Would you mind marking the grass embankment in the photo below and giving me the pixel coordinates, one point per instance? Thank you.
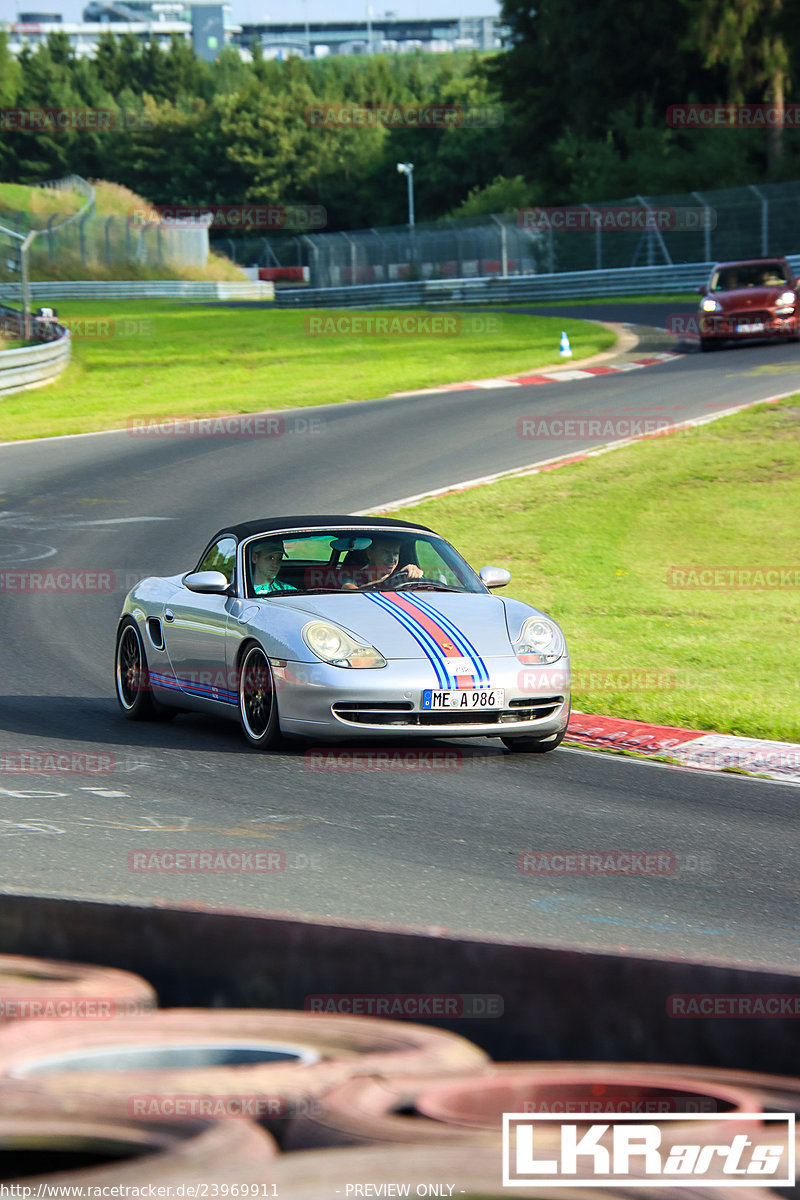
(111, 200)
(607, 546)
(149, 359)
(39, 203)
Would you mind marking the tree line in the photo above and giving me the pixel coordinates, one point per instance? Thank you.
(583, 87)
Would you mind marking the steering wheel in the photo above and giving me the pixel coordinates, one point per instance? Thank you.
(384, 583)
(416, 579)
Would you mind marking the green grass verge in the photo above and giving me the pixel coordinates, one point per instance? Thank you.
(40, 203)
(172, 359)
(595, 544)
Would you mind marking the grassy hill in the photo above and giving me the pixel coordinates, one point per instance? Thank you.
(38, 203)
(112, 200)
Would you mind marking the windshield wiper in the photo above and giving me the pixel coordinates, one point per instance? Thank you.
(426, 585)
(320, 591)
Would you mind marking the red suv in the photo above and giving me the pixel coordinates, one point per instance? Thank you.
(754, 298)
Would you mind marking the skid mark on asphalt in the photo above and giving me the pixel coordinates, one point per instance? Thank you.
(107, 793)
(32, 794)
(174, 823)
(19, 520)
(28, 825)
(19, 552)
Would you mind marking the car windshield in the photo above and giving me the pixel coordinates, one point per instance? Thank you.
(350, 560)
(728, 279)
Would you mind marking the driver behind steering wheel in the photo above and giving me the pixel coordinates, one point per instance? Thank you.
(383, 557)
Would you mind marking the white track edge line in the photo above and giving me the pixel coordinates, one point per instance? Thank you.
(535, 467)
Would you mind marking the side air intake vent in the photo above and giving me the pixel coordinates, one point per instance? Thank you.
(156, 633)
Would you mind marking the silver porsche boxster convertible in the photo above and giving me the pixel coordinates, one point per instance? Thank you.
(340, 627)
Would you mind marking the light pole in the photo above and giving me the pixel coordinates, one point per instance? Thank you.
(407, 169)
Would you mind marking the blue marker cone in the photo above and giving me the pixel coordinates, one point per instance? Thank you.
(565, 350)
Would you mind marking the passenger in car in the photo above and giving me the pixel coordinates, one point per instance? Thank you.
(265, 562)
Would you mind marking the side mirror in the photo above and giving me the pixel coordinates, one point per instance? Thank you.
(208, 583)
(494, 577)
(702, 289)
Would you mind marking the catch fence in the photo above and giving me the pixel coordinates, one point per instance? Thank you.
(88, 238)
(635, 232)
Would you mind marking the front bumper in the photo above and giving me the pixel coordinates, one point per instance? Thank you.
(316, 700)
(727, 326)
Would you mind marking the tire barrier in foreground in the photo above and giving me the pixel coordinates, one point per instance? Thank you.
(467, 1109)
(41, 988)
(327, 1174)
(221, 1062)
(131, 1102)
(780, 1093)
(50, 1140)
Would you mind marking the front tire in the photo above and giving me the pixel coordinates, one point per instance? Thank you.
(130, 674)
(707, 344)
(258, 702)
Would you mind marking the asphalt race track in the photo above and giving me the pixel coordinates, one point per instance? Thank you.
(436, 848)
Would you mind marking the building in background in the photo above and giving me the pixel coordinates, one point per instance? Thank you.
(209, 26)
(384, 35)
(85, 35)
(111, 12)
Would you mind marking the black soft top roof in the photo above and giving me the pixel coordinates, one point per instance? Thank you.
(246, 529)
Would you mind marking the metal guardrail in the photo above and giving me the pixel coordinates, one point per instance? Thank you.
(31, 366)
(145, 289)
(624, 281)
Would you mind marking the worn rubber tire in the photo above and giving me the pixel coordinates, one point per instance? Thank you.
(28, 981)
(49, 1140)
(148, 1050)
(463, 1109)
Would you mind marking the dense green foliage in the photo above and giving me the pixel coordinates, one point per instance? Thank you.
(584, 88)
(189, 132)
(588, 86)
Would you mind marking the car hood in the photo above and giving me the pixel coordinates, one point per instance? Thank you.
(396, 623)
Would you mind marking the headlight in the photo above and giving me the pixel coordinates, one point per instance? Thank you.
(333, 645)
(787, 298)
(539, 641)
(710, 305)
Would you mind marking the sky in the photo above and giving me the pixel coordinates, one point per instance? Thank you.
(253, 11)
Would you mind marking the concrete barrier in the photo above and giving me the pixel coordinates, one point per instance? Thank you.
(558, 1004)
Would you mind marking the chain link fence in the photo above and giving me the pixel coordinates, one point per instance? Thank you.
(638, 231)
(91, 238)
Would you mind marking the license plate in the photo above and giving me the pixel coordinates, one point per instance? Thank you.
(750, 327)
(470, 699)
